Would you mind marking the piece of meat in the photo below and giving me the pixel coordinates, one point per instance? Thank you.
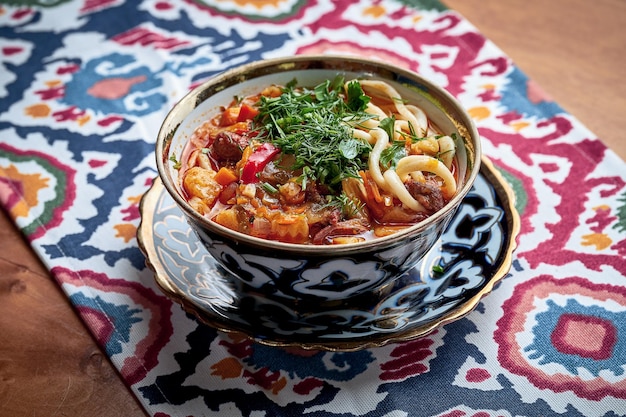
(228, 146)
(274, 174)
(427, 195)
(345, 228)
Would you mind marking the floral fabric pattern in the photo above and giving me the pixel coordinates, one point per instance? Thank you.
(84, 86)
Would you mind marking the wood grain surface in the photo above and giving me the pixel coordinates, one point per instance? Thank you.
(575, 50)
(50, 364)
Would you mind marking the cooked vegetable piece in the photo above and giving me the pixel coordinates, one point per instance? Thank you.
(260, 157)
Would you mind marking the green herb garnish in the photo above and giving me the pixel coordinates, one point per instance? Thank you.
(313, 125)
(348, 206)
(269, 188)
(438, 269)
(390, 156)
(412, 135)
(357, 100)
(396, 150)
(387, 125)
(176, 162)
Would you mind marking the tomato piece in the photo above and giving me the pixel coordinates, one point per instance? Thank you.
(246, 112)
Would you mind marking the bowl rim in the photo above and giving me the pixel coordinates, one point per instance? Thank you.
(341, 63)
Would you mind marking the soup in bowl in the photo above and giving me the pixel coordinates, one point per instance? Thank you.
(317, 178)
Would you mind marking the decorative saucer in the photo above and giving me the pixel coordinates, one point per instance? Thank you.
(472, 256)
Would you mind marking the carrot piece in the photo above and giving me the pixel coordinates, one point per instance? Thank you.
(225, 176)
(371, 188)
(229, 116)
(375, 191)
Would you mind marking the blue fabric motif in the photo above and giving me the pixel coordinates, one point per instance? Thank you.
(515, 98)
(75, 245)
(337, 366)
(574, 362)
(121, 317)
(435, 392)
(144, 93)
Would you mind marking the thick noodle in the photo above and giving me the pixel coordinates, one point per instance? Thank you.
(412, 163)
(408, 118)
(411, 114)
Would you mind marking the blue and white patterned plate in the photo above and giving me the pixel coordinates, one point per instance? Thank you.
(475, 253)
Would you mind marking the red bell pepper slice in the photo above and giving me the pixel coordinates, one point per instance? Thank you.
(257, 161)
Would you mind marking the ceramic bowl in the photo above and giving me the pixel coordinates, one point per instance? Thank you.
(311, 274)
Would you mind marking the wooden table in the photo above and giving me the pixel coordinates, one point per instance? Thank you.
(49, 363)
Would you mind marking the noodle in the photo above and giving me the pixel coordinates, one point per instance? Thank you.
(413, 163)
(382, 140)
(413, 115)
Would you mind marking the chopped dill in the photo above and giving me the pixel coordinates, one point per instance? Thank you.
(350, 207)
(313, 125)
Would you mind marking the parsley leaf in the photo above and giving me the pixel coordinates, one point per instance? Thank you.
(350, 148)
(357, 100)
(388, 125)
(390, 156)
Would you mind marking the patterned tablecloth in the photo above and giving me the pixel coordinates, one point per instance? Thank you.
(84, 87)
